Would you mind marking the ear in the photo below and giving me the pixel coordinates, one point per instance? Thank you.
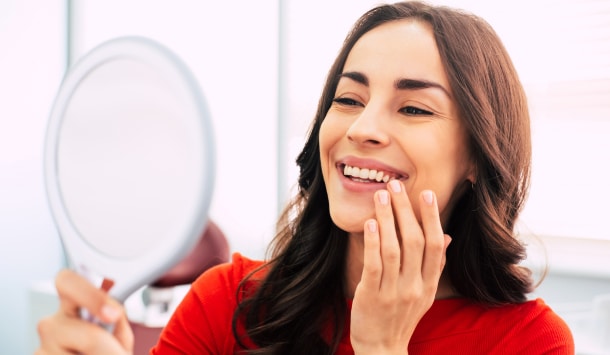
(471, 173)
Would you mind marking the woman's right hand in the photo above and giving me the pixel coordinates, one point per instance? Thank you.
(65, 331)
(403, 263)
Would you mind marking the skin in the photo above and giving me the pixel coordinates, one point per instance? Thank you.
(397, 246)
(65, 333)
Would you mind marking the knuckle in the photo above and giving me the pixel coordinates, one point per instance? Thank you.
(63, 274)
(409, 295)
(417, 241)
(435, 246)
(392, 255)
(430, 288)
(387, 300)
(60, 278)
(44, 327)
(373, 271)
(63, 280)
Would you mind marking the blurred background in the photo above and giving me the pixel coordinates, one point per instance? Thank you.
(261, 66)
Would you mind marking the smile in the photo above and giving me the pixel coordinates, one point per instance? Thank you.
(368, 175)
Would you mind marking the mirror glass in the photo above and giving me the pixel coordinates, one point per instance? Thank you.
(129, 162)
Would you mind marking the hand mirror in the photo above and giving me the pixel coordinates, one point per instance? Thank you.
(129, 163)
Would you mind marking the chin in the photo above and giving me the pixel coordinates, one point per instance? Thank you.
(351, 221)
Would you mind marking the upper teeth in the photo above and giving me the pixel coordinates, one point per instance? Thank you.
(364, 173)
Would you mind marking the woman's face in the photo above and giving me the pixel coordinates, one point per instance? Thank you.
(393, 117)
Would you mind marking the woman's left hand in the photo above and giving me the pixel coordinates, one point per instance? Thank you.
(403, 262)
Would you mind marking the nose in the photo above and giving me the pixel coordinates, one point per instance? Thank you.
(369, 129)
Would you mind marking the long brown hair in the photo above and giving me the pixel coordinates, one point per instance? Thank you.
(302, 293)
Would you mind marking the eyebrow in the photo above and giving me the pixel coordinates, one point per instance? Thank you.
(400, 84)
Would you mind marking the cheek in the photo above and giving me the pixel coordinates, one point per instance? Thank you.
(323, 141)
(446, 184)
(443, 165)
(329, 136)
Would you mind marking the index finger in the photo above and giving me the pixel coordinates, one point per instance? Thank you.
(411, 234)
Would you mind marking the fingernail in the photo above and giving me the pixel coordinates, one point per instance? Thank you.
(395, 185)
(384, 198)
(428, 197)
(110, 313)
(372, 225)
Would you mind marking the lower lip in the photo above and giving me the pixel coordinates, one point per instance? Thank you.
(359, 185)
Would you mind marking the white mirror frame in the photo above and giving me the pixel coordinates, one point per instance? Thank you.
(131, 273)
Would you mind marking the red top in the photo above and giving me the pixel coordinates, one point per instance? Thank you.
(202, 323)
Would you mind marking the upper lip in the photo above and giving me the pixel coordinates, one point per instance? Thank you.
(371, 164)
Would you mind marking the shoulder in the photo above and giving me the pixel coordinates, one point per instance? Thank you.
(538, 328)
(533, 327)
(202, 323)
(530, 328)
(226, 276)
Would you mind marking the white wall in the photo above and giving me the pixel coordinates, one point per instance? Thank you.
(231, 47)
(31, 65)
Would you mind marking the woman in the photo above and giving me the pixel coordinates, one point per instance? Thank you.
(421, 139)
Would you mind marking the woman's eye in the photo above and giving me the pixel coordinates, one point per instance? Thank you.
(347, 101)
(412, 110)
